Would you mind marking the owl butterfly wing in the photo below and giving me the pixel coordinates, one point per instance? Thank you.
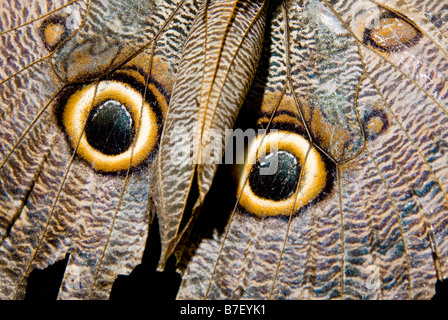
(216, 70)
(351, 98)
(105, 68)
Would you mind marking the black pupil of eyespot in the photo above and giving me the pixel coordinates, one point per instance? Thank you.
(275, 177)
(110, 128)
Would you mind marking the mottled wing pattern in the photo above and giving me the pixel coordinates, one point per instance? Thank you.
(363, 85)
(53, 203)
(215, 73)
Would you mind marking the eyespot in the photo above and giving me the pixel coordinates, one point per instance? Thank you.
(375, 122)
(284, 174)
(391, 32)
(111, 125)
(53, 31)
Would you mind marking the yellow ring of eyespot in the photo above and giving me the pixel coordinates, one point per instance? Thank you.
(77, 111)
(313, 178)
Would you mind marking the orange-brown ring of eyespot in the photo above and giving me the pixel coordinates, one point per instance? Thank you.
(76, 113)
(313, 179)
(161, 100)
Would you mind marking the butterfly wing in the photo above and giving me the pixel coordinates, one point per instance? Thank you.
(62, 63)
(356, 93)
(370, 225)
(215, 72)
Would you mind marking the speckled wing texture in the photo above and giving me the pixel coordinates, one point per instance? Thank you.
(52, 202)
(215, 73)
(363, 84)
